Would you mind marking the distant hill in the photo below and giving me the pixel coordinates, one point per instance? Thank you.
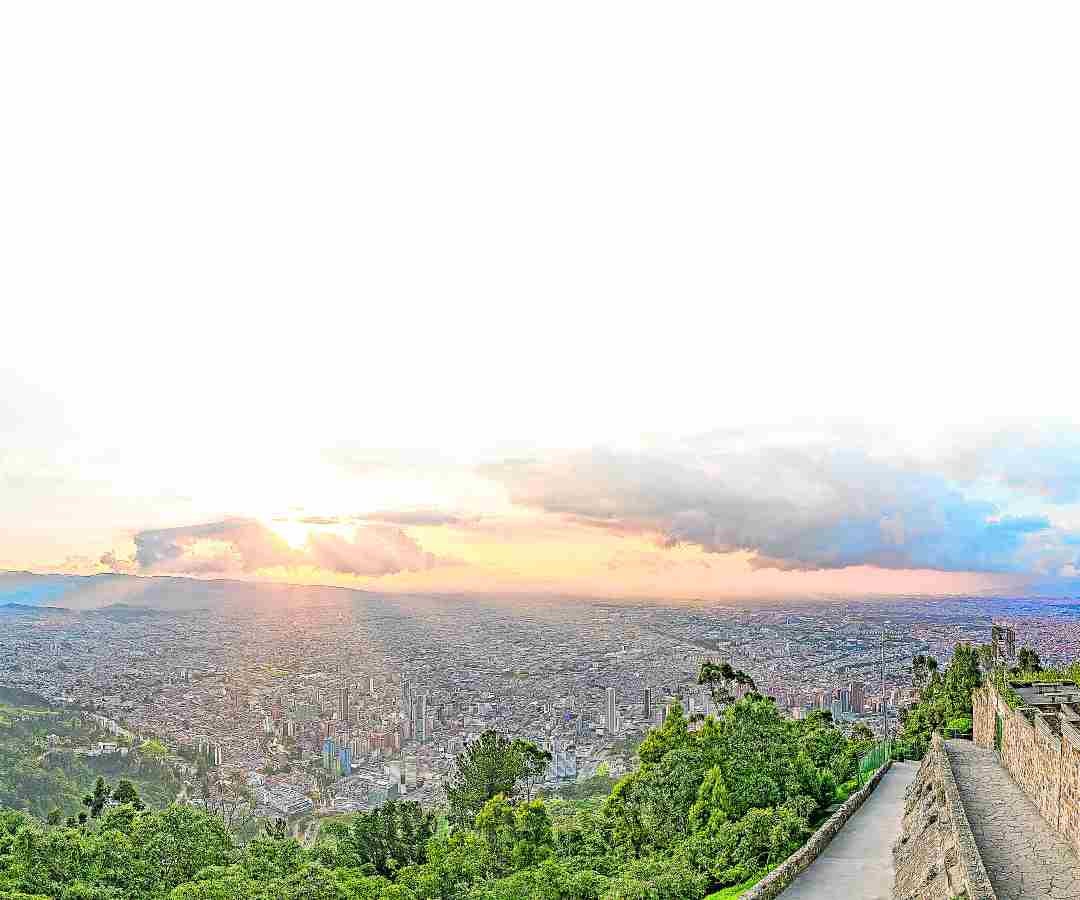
(128, 594)
(25, 608)
(25, 589)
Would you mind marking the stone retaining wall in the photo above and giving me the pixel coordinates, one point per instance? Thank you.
(779, 878)
(935, 856)
(1044, 761)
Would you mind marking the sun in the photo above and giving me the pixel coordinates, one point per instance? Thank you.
(293, 532)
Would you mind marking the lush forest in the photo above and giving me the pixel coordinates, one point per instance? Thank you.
(40, 777)
(712, 805)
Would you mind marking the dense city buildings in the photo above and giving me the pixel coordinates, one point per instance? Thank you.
(332, 700)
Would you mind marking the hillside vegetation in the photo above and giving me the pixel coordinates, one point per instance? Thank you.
(40, 777)
(706, 809)
(944, 703)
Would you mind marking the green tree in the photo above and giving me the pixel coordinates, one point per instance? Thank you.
(722, 681)
(276, 830)
(1027, 660)
(96, 801)
(382, 841)
(962, 676)
(673, 733)
(923, 667)
(534, 764)
(176, 843)
(489, 765)
(126, 793)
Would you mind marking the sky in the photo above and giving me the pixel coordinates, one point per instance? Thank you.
(603, 299)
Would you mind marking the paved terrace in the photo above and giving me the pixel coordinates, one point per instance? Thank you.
(1024, 858)
(858, 863)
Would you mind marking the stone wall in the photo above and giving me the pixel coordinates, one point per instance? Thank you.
(1042, 754)
(779, 878)
(935, 856)
(983, 707)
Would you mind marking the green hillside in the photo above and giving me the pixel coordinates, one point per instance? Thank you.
(39, 773)
(711, 806)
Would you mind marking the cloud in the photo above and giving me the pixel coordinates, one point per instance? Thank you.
(1041, 460)
(374, 550)
(793, 507)
(237, 546)
(227, 545)
(417, 517)
(117, 564)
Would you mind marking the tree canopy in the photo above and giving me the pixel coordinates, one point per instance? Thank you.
(707, 807)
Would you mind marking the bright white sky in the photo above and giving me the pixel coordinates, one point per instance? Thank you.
(237, 234)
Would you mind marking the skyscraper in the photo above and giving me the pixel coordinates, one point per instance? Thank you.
(647, 703)
(345, 761)
(858, 697)
(610, 717)
(343, 702)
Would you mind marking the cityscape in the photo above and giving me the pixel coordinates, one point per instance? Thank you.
(330, 701)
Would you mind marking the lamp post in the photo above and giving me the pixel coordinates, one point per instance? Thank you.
(884, 698)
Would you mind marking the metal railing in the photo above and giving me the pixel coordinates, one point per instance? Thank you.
(870, 762)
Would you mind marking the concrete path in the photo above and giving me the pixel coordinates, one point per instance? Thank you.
(1024, 858)
(858, 863)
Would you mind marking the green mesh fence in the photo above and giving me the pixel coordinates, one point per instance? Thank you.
(874, 760)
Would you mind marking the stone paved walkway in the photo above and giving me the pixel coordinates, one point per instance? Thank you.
(1024, 857)
(858, 863)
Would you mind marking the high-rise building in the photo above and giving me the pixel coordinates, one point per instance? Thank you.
(343, 703)
(329, 752)
(423, 719)
(646, 699)
(345, 761)
(610, 712)
(858, 697)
